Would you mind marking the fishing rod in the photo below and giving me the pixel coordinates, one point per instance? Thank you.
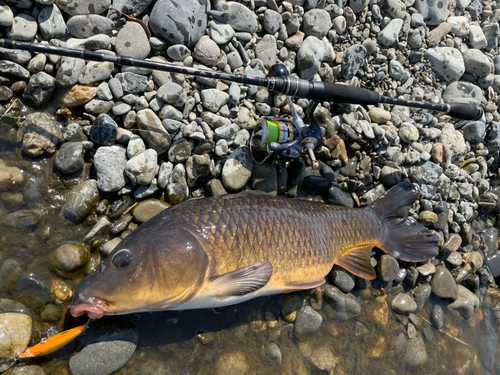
(317, 90)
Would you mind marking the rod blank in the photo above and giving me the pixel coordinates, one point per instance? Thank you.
(323, 91)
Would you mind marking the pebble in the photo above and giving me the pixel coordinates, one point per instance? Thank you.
(221, 32)
(85, 26)
(352, 60)
(152, 131)
(447, 62)
(236, 15)
(51, 23)
(177, 188)
(443, 284)
(109, 162)
(232, 362)
(317, 23)
(345, 306)
(104, 130)
(466, 304)
(388, 268)
(309, 57)
(308, 321)
(237, 169)
(145, 210)
(23, 28)
(39, 134)
(403, 304)
(389, 35)
(69, 159)
(415, 353)
(206, 51)
(16, 334)
(69, 257)
(342, 279)
(132, 41)
(142, 168)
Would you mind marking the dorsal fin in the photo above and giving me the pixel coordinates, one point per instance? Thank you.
(357, 262)
(243, 280)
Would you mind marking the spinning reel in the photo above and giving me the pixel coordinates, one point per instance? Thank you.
(281, 139)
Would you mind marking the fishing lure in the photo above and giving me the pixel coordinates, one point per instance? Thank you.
(53, 343)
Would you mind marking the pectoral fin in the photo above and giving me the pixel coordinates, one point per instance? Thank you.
(243, 280)
(357, 262)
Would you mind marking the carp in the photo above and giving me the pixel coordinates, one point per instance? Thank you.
(223, 250)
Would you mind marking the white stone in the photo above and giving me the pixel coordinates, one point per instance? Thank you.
(390, 33)
(446, 62)
(477, 37)
(459, 25)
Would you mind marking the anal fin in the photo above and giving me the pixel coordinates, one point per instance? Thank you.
(357, 262)
(243, 280)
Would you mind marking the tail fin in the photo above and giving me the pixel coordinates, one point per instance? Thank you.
(403, 237)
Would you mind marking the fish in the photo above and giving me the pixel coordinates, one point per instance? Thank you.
(53, 343)
(219, 251)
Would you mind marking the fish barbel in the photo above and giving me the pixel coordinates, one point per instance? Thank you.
(224, 250)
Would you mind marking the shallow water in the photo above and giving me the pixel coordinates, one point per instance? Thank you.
(204, 341)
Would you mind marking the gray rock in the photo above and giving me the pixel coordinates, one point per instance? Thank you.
(388, 268)
(415, 353)
(89, 25)
(434, 11)
(164, 174)
(197, 170)
(16, 56)
(96, 106)
(69, 257)
(132, 41)
(135, 146)
(177, 188)
(179, 23)
(396, 9)
(308, 321)
(358, 6)
(13, 70)
(121, 108)
(142, 168)
(23, 28)
(6, 15)
(264, 178)
(266, 50)
(92, 43)
(206, 51)
(352, 60)
(179, 151)
(476, 62)
(443, 284)
(466, 304)
(345, 306)
(426, 173)
(82, 7)
(80, 201)
(317, 22)
(95, 72)
(221, 32)
(453, 140)
(474, 131)
(309, 57)
(273, 21)
(40, 89)
(173, 94)
(237, 169)
(132, 83)
(342, 279)
(74, 133)
(339, 197)
(16, 331)
(237, 15)
(111, 347)
(214, 99)
(408, 133)
(463, 92)
(109, 162)
(39, 134)
(403, 304)
(178, 52)
(446, 62)
(460, 25)
(69, 71)
(104, 92)
(477, 38)
(51, 23)
(389, 34)
(69, 159)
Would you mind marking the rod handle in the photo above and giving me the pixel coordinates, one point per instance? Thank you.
(465, 111)
(334, 92)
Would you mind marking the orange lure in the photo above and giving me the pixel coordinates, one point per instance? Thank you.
(53, 343)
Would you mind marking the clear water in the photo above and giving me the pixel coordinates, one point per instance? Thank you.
(203, 341)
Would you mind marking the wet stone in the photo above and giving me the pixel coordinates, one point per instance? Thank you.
(104, 130)
(39, 134)
(264, 178)
(308, 321)
(232, 362)
(80, 201)
(109, 162)
(197, 170)
(415, 353)
(291, 304)
(34, 286)
(16, 334)
(101, 227)
(452, 243)
(443, 284)
(40, 89)
(403, 304)
(177, 187)
(388, 268)
(145, 210)
(421, 294)
(339, 197)
(342, 279)
(466, 304)
(69, 159)
(69, 257)
(472, 282)
(142, 168)
(345, 306)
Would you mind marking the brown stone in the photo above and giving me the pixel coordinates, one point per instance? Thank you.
(75, 96)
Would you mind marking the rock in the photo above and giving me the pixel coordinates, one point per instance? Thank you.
(266, 50)
(477, 38)
(433, 11)
(132, 41)
(446, 62)
(83, 7)
(264, 178)
(463, 92)
(16, 334)
(180, 151)
(345, 306)
(309, 57)
(308, 321)
(232, 362)
(131, 82)
(221, 32)
(6, 15)
(443, 284)
(389, 34)
(237, 169)
(39, 134)
(388, 268)
(10, 175)
(13, 70)
(80, 201)
(40, 89)
(342, 280)
(352, 60)
(109, 162)
(69, 257)
(273, 21)
(145, 210)
(69, 71)
(142, 168)
(408, 133)
(177, 187)
(395, 8)
(206, 51)
(152, 131)
(474, 131)
(179, 23)
(466, 304)
(213, 99)
(453, 140)
(75, 96)
(197, 170)
(101, 227)
(379, 115)
(95, 72)
(23, 28)
(317, 22)
(436, 35)
(51, 23)
(104, 130)
(415, 354)
(403, 304)
(323, 359)
(237, 15)
(339, 197)
(476, 62)
(60, 292)
(459, 24)
(92, 43)
(112, 344)
(69, 159)
(89, 25)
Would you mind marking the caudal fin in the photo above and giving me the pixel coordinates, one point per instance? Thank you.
(403, 237)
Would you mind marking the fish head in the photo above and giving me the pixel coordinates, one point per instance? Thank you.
(151, 269)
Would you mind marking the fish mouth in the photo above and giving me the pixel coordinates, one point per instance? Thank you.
(94, 307)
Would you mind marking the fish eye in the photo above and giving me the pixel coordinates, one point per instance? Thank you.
(122, 258)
